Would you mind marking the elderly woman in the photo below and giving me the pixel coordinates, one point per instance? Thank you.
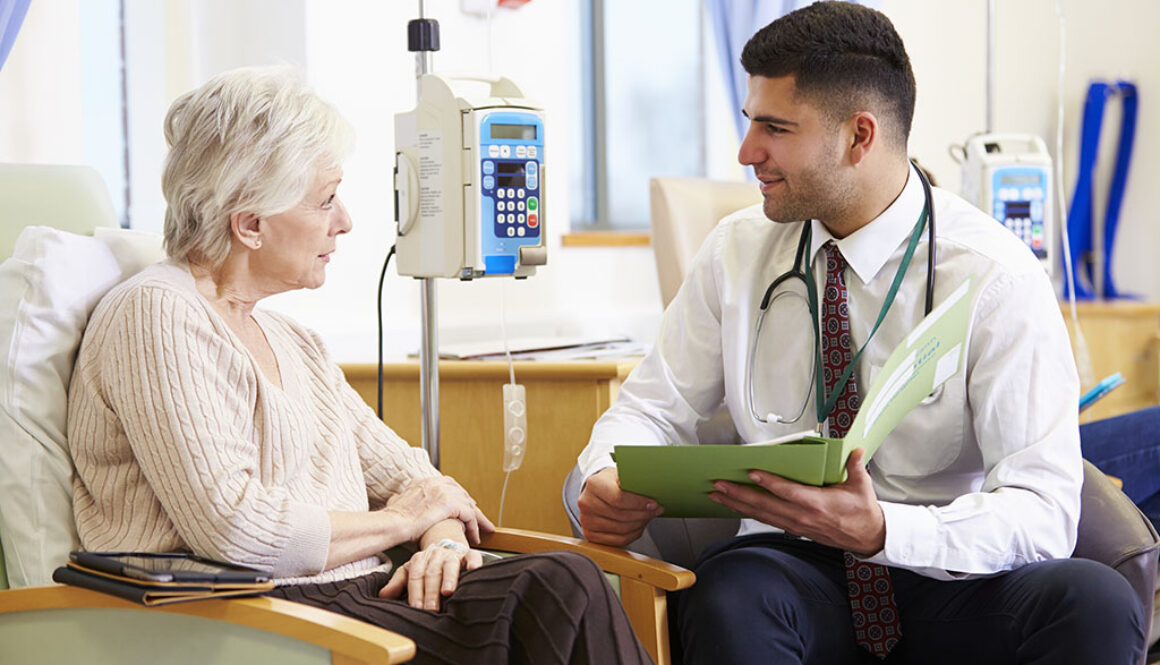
(201, 423)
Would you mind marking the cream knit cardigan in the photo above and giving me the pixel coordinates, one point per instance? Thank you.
(181, 443)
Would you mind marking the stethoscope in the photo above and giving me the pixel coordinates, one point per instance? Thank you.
(825, 406)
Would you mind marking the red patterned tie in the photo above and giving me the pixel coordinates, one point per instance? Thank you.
(872, 606)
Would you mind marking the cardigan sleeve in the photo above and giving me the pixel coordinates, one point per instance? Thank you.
(187, 399)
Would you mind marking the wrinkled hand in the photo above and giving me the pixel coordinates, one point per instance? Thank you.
(426, 501)
(429, 576)
(611, 516)
(845, 515)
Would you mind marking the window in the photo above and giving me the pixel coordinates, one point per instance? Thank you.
(642, 89)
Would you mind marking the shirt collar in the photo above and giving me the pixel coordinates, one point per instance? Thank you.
(867, 249)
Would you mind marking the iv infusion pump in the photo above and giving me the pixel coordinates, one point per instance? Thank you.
(1009, 177)
(469, 180)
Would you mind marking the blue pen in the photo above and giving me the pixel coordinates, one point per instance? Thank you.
(1102, 388)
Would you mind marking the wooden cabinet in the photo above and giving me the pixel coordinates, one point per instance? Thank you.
(1121, 336)
(564, 400)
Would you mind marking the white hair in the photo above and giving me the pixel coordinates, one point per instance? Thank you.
(249, 140)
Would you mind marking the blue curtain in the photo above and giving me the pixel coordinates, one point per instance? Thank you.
(733, 23)
(11, 16)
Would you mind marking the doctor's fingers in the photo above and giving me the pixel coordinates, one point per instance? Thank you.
(785, 489)
(610, 531)
(857, 475)
(604, 495)
(759, 504)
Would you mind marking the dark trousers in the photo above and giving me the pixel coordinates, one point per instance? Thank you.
(533, 609)
(773, 599)
(1128, 447)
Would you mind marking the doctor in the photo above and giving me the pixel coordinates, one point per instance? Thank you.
(952, 545)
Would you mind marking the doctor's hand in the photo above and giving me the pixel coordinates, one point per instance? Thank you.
(611, 516)
(845, 515)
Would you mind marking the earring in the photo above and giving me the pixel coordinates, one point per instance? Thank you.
(257, 243)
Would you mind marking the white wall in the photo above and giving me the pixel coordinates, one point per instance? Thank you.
(355, 54)
(1107, 39)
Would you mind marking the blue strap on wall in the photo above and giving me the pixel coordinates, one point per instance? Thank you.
(1080, 215)
(1119, 181)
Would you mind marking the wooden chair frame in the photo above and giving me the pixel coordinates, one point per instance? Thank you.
(643, 583)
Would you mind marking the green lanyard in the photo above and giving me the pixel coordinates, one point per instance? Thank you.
(825, 407)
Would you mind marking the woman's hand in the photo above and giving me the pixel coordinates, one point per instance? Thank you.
(431, 574)
(427, 501)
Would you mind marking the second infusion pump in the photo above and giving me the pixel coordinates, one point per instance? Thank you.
(469, 181)
(1009, 177)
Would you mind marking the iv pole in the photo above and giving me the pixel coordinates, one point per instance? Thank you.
(423, 40)
(990, 117)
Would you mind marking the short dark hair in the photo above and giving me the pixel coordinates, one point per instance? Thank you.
(841, 55)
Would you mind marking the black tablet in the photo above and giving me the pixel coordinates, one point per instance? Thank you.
(168, 567)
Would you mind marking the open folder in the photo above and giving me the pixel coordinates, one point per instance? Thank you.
(164, 579)
(681, 477)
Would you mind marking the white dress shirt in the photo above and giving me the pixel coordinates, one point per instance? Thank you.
(983, 477)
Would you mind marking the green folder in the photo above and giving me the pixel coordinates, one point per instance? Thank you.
(680, 477)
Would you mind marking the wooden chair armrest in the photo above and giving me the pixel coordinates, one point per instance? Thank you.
(349, 640)
(628, 565)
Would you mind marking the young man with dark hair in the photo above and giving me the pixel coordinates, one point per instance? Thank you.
(953, 544)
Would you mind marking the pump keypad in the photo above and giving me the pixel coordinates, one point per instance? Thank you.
(1021, 209)
(513, 185)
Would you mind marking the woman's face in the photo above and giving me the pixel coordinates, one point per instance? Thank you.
(297, 244)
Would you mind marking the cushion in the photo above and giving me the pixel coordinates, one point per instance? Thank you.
(48, 289)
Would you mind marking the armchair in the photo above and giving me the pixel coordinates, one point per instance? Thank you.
(48, 289)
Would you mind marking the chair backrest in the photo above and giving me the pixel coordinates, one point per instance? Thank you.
(1113, 531)
(48, 289)
(65, 197)
(682, 211)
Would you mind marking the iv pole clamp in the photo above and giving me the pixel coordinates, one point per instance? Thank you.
(423, 41)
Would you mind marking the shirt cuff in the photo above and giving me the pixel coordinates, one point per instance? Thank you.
(305, 552)
(911, 537)
(590, 467)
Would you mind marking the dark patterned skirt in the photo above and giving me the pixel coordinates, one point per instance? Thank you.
(537, 609)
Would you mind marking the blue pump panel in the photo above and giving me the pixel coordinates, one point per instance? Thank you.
(511, 145)
(1018, 196)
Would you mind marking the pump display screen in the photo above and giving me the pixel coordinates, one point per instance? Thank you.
(520, 132)
(1019, 179)
(509, 174)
